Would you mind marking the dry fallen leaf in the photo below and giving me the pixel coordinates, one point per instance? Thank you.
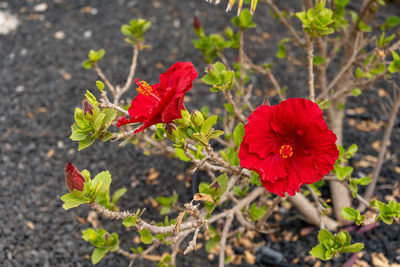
(203, 197)
(153, 175)
(93, 219)
(180, 177)
(244, 242)
(81, 220)
(41, 110)
(379, 260)
(50, 153)
(67, 76)
(249, 257)
(30, 225)
(355, 111)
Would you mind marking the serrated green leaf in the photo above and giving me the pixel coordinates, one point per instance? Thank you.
(87, 142)
(74, 199)
(319, 251)
(78, 136)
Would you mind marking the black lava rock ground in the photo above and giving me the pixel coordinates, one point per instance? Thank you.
(42, 81)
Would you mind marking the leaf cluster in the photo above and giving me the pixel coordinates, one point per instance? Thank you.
(331, 245)
(386, 211)
(134, 31)
(103, 242)
(90, 126)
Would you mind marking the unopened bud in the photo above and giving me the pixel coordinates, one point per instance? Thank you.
(73, 178)
(341, 237)
(196, 23)
(87, 107)
(197, 118)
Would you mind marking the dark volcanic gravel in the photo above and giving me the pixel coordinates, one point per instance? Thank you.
(42, 81)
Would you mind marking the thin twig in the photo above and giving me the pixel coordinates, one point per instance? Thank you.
(310, 56)
(104, 78)
(385, 143)
(224, 235)
(268, 213)
(285, 22)
(123, 90)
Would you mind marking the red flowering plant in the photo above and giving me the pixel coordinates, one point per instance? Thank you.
(288, 145)
(281, 147)
(161, 102)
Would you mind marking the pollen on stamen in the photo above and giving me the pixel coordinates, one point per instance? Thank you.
(143, 87)
(286, 151)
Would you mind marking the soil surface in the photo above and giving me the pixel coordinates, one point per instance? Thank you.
(42, 81)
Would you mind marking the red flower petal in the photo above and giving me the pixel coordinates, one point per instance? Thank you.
(165, 102)
(288, 145)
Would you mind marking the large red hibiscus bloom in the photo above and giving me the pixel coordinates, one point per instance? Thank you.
(288, 145)
(161, 102)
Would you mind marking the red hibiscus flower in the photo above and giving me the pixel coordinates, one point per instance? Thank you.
(288, 145)
(73, 177)
(161, 102)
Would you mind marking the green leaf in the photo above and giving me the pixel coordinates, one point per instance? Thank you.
(181, 154)
(74, 199)
(91, 98)
(131, 220)
(118, 194)
(99, 121)
(281, 48)
(356, 92)
(145, 236)
(216, 133)
(87, 64)
(364, 27)
(318, 60)
(392, 21)
(78, 136)
(256, 213)
(101, 183)
(87, 142)
(100, 85)
(319, 251)
(324, 235)
(238, 134)
(208, 124)
(98, 254)
(356, 247)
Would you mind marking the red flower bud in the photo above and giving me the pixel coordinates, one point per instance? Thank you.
(87, 107)
(73, 178)
(196, 23)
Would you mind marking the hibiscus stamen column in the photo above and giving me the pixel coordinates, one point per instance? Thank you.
(145, 89)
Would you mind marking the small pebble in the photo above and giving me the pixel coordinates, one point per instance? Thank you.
(40, 7)
(20, 89)
(59, 35)
(8, 22)
(87, 34)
